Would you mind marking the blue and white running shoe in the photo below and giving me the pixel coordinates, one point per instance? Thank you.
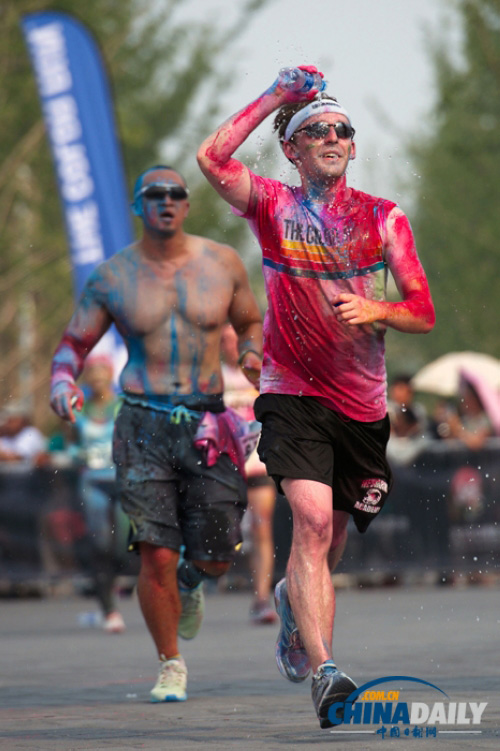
(291, 656)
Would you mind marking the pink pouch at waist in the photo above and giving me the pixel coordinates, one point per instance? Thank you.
(226, 433)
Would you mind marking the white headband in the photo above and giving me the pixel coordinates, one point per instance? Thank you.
(313, 108)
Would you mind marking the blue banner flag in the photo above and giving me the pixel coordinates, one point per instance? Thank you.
(77, 107)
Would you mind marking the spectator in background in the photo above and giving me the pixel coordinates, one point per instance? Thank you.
(106, 523)
(240, 394)
(410, 430)
(20, 440)
(408, 417)
(468, 422)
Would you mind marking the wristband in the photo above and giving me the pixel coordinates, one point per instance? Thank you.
(245, 353)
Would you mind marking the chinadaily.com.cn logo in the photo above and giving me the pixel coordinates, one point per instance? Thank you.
(377, 704)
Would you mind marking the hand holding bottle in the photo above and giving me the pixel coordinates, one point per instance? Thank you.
(301, 83)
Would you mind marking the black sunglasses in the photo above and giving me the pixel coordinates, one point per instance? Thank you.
(159, 192)
(322, 129)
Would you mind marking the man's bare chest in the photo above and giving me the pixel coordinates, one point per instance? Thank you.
(150, 302)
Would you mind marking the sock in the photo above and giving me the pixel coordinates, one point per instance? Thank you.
(188, 575)
(329, 663)
(163, 658)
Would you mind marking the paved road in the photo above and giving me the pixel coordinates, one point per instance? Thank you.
(63, 687)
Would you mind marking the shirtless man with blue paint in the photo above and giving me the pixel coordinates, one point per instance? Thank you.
(169, 295)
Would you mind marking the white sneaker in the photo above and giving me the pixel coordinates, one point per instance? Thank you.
(114, 623)
(193, 608)
(262, 613)
(172, 681)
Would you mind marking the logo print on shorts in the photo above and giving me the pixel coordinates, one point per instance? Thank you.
(374, 489)
(372, 497)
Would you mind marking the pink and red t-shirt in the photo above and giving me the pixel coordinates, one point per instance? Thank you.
(312, 252)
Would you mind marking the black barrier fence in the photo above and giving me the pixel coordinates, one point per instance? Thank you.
(43, 529)
(442, 516)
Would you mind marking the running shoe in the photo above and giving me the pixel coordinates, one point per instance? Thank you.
(261, 613)
(330, 685)
(193, 608)
(172, 681)
(114, 623)
(291, 655)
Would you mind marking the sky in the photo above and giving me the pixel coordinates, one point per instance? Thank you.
(374, 55)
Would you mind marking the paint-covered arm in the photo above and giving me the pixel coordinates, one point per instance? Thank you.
(244, 314)
(414, 314)
(229, 177)
(89, 323)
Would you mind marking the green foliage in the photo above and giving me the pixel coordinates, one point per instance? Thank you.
(457, 217)
(166, 75)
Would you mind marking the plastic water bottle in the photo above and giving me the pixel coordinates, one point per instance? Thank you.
(296, 79)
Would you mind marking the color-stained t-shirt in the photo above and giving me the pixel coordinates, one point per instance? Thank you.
(312, 252)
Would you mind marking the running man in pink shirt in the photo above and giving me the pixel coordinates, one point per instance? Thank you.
(326, 250)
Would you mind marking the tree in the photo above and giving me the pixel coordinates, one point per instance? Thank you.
(162, 71)
(457, 217)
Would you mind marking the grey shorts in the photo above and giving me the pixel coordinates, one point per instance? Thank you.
(170, 496)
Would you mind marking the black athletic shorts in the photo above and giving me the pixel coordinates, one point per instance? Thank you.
(302, 439)
(169, 494)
